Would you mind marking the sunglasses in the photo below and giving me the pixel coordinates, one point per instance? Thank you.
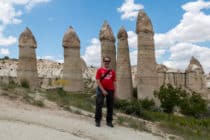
(106, 61)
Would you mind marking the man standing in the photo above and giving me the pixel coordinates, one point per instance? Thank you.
(105, 79)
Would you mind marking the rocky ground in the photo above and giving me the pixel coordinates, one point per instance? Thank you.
(21, 121)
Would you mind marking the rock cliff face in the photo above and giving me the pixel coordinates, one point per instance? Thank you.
(46, 68)
(49, 70)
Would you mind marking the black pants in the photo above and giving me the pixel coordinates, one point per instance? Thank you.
(109, 104)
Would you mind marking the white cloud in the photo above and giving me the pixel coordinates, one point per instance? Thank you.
(32, 3)
(129, 9)
(4, 51)
(194, 26)
(133, 57)
(132, 39)
(7, 41)
(182, 40)
(195, 7)
(159, 53)
(10, 14)
(92, 54)
(49, 57)
(182, 52)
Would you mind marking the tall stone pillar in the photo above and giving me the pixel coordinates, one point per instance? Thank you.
(194, 75)
(146, 74)
(124, 77)
(27, 63)
(108, 44)
(72, 70)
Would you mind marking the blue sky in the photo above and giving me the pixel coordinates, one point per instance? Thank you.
(182, 27)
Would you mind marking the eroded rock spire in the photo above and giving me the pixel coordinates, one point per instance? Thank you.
(108, 44)
(143, 23)
(147, 78)
(72, 70)
(27, 63)
(70, 38)
(124, 77)
(26, 38)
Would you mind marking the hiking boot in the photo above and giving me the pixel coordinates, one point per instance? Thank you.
(98, 124)
(109, 124)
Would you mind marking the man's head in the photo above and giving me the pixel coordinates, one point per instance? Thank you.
(106, 61)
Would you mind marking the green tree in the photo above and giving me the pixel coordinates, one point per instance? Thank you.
(168, 97)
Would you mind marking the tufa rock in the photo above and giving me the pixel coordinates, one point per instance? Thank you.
(26, 38)
(147, 78)
(27, 63)
(71, 39)
(72, 68)
(143, 23)
(124, 77)
(108, 44)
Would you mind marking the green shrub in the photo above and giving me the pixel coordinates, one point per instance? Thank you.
(168, 97)
(6, 58)
(24, 83)
(129, 107)
(191, 105)
(38, 103)
(12, 84)
(194, 105)
(120, 104)
(147, 104)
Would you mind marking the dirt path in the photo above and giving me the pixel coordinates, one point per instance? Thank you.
(25, 122)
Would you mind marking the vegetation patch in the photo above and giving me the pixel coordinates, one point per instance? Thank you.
(66, 99)
(24, 83)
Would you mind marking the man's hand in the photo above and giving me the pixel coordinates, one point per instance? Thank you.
(104, 92)
(115, 95)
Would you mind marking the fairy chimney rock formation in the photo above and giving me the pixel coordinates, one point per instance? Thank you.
(124, 77)
(147, 79)
(72, 70)
(194, 75)
(27, 63)
(195, 66)
(108, 44)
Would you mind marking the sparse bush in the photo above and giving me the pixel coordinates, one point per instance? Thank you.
(135, 94)
(5, 57)
(148, 104)
(129, 107)
(120, 104)
(191, 105)
(50, 82)
(194, 105)
(38, 103)
(12, 84)
(65, 99)
(168, 96)
(24, 83)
